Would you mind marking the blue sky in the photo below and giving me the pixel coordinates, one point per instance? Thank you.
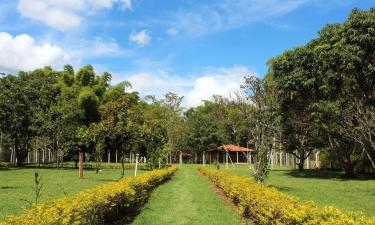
(195, 48)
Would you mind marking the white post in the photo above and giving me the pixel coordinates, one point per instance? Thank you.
(237, 157)
(307, 163)
(317, 164)
(116, 157)
(159, 163)
(109, 157)
(28, 157)
(136, 164)
(281, 159)
(204, 159)
(145, 160)
(180, 158)
(49, 155)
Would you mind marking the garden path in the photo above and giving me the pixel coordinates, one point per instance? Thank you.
(187, 198)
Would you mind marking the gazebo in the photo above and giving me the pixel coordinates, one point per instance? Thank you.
(234, 153)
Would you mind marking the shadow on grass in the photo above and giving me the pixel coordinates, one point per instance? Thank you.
(109, 180)
(282, 188)
(9, 187)
(327, 174)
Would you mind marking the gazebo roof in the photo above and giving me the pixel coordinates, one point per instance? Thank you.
(231, 148)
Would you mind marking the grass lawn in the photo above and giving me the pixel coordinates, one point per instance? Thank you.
(188, 198)
(18, 184)
(323, 187)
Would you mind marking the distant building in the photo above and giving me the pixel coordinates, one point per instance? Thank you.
(236, 154)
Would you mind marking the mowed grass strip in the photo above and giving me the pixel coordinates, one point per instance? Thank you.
(186, 199)
(17, 185)
(322, 186)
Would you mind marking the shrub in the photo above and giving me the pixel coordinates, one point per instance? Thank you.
(100, 205)
(266, 205)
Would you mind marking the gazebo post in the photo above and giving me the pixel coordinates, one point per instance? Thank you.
(226, 160)
(237, 157)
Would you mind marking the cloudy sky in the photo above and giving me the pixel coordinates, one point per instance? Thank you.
(192, 47)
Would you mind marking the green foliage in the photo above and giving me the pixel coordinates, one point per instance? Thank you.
(326, 91)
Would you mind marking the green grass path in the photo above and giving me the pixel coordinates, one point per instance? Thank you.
(187, 198)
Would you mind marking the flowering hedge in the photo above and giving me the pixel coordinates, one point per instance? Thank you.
(266, 205)
(100, 205)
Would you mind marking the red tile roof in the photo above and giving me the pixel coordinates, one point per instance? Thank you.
(231, 148)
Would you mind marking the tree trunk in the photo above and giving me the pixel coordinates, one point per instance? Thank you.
(122, 166)
(300, 167)
(349, 170)
(301, 164)
(80, 164)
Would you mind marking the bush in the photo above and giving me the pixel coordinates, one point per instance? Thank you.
(266, 205)
(101, 205)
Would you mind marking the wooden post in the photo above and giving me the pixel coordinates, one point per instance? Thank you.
(237, 157)
(136, 164)
(226, 160)
(81, 165)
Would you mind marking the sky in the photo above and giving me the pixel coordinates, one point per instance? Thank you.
(195, 48)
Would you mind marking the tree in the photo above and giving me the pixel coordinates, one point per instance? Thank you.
(262, 119)
(326, 90)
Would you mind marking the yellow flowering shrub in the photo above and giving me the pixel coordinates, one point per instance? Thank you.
(266, 205)
(98, 205)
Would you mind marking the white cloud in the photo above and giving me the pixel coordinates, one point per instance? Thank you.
(94, 48)
(203, 19)
(195, 87)
(172, 31)
(217, 81)
(126, 4)
(141, 38)
(22, 53)
(64, 15)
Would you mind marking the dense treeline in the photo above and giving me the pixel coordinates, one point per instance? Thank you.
(316, 97)
(67, 112)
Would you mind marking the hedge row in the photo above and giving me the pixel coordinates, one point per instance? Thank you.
(266, 205)
(101, 205)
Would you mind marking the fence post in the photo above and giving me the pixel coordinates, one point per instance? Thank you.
(136, 164)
